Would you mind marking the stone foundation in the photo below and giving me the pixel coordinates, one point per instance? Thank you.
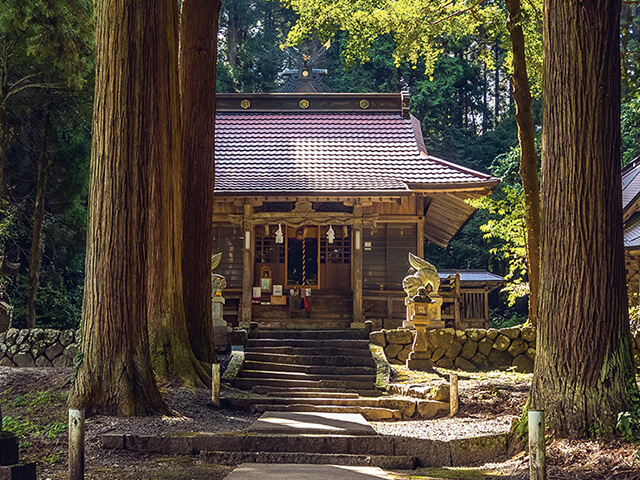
(38, 347)
(472, 349)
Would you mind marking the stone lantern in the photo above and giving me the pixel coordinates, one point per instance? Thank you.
(425, 315)
(220, 327)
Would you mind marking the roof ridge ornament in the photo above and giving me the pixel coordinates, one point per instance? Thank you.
(305, 78)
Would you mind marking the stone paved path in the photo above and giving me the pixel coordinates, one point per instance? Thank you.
(312, 422)
(308, 423)
(266, 471)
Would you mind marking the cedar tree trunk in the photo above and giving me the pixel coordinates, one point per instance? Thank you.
(528, 157)
(584, 374)
(38, 220)
(130, 133)
(198, 56)
(171, 353)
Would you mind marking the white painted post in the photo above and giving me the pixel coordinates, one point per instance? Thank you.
(76, 444)
(453, 394)
(215, 384)
(537, 464)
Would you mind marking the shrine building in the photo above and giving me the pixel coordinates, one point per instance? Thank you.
(319, 198)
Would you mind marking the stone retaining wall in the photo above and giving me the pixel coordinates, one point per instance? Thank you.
(472, 349)
(38, 347)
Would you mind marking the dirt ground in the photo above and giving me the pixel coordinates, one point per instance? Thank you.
(33, 404)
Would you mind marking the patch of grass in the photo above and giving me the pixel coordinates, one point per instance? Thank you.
(37, 399)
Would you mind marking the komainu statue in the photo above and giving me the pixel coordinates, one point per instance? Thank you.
(426, 274)
(218, 282)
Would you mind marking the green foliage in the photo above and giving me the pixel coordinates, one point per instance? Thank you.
(630, 130)
(48, 40)
(249, 55)
(29, 419)
(629, 422)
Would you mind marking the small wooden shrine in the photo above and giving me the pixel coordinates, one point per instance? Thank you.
(319, 199)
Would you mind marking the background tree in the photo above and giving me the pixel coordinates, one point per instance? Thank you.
(44, 48)
(584, 373)
(419, 29)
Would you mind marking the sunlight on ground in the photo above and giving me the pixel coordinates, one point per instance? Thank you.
(451, 473)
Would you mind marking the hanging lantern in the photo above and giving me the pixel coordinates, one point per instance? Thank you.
(331, 235)
(345, 232)
(279, 235)
(266, 230)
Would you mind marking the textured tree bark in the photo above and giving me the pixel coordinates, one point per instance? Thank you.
(38, 221)
(198, 46)
(129, 134)
(584, 373)
(528, 157)
(171, 353)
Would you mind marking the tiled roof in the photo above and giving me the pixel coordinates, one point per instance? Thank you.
(302, 152)
(472, 275)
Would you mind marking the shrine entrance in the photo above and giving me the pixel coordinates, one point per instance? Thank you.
(317, 258)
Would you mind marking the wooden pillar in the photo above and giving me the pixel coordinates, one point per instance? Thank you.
(356, 265)
(420, 226)
(248, 256)
(486, 308)
(456, 308)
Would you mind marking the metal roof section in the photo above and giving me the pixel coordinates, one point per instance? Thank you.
(347, 143)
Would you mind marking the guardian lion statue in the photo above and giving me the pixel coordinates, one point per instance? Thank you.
(426, 274)
(218, 282)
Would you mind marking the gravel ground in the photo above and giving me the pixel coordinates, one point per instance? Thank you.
(445, 428)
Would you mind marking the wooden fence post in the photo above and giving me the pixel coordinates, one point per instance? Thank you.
(76, 444)
(453, 394)
(537, 466)
(215, 384)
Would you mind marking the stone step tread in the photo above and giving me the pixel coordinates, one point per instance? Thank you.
(288, 367)
(312, 395)
(384, 402)
(310, 343)
(247, 383)
(312, 351)
(369, 413)
(265, 390)
(400, 462)
(316, 360)
(308, 443)
(304, 376)
(312, 334)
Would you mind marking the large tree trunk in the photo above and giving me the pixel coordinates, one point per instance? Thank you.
(38, 221)
(130, 136)
(171, 353)
(198, 80)
(584, 373)
(528, 157)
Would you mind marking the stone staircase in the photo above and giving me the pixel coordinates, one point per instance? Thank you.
(314, 371)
